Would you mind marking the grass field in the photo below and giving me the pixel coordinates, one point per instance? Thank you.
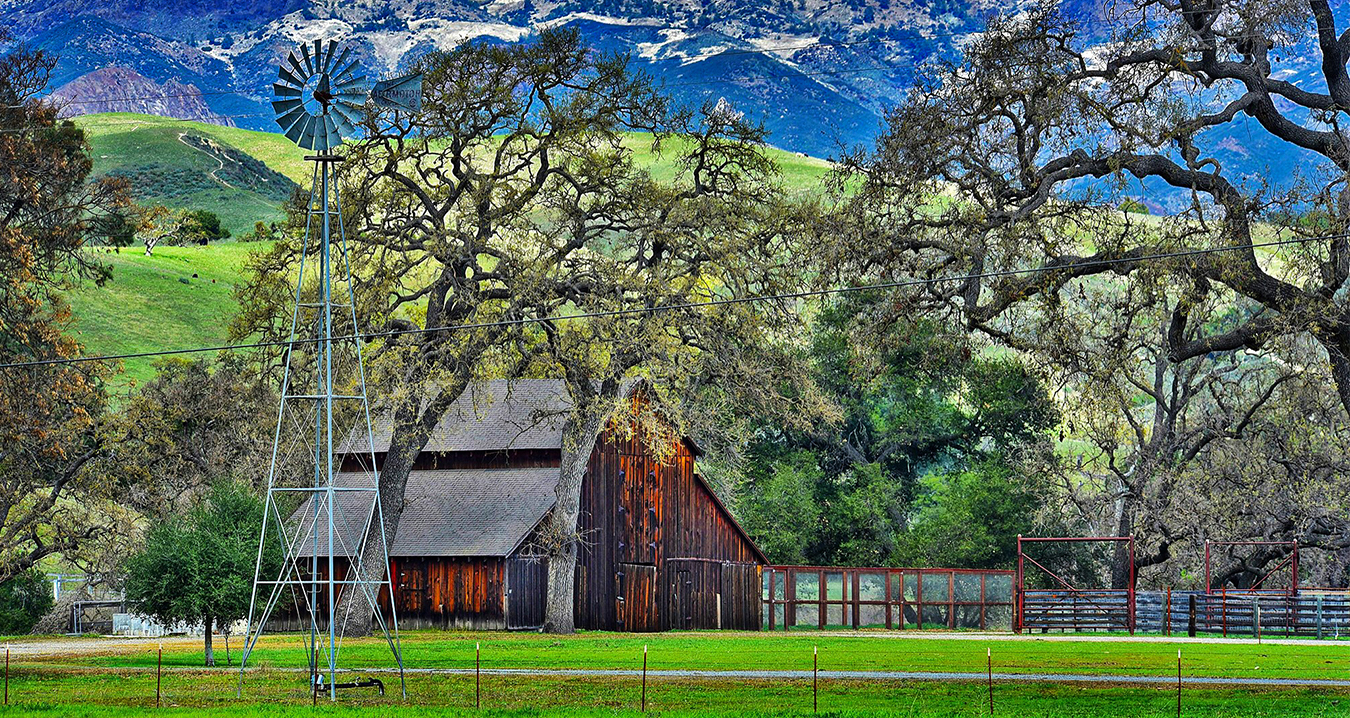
(146, 306)
(122, 681)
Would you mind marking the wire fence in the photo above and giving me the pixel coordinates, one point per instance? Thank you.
(798, 676)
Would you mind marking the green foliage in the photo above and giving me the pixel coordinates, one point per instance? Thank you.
(917, 470)
(203, 226)
(197, 422)
(117, 229)
(23, 600)
(783, 511)
(1133, 206)
(200, 567)
(971, 517)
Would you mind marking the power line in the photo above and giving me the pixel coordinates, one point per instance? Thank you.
(806, 294)
(146, 97)
(748, 76)
(695, 83)
(156, 119)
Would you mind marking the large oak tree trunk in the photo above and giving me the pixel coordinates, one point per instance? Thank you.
(561, 536)
(1121, 573)
(413, 425)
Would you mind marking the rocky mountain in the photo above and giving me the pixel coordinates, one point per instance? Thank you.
(94, 92)
(817, 72)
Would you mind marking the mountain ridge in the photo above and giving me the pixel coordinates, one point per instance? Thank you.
(843, 60)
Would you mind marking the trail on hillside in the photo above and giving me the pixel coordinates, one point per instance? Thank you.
(218, 160)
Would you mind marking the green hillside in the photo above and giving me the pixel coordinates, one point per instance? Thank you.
(148, 307)
(243, 176)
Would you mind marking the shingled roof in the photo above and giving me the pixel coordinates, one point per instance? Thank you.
(491, 416)
(464, 512)
(450, 512)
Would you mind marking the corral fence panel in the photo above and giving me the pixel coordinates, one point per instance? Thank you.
(833, 597)
(1077, 610)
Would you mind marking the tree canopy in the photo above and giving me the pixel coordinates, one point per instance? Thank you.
(198, 567)
(49, 415)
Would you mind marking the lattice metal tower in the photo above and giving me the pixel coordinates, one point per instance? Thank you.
(323, 502)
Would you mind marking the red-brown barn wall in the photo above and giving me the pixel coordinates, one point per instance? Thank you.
(432, 592)
(652, 532)
(662, 549)
(449, 592)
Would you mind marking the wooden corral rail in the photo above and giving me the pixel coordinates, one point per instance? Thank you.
(1077, 611)
(819, 597)
(1309, 613)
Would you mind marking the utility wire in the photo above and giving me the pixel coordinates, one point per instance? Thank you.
(139, 98)
(806, 294)
(153, 119)
(695, 83)
(209, 118)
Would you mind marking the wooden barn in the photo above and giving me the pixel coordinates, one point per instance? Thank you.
(659, 552)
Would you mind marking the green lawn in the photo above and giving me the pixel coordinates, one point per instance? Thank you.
(200, 693)
(146, 306)
(777, 651)
(123, 683)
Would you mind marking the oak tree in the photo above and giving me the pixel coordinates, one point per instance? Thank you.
(49, 414)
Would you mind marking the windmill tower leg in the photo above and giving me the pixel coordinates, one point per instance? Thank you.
(341, 510)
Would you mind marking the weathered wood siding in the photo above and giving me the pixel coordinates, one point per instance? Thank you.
(526, 587)
(637, 512)
(449, 592)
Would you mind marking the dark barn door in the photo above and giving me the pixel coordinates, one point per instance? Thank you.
(526, 589)
(639, 510)
(635, 606)
(680, 613)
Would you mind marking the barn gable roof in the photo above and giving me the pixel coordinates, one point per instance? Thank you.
(475, 512)
(490, 416)
(450, 512)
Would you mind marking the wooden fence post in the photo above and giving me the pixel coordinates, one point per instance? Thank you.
(1190, 618)
(1319, 616)
(159, 671)
(989, 665)
(815, 679)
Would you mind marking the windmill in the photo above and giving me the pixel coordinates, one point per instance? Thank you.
(320, 97)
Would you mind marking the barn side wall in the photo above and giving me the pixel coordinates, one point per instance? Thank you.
(661, 552)
(450, 592)
(432, 592)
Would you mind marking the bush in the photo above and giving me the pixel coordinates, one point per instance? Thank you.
(23, 600)
(1134, 207)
